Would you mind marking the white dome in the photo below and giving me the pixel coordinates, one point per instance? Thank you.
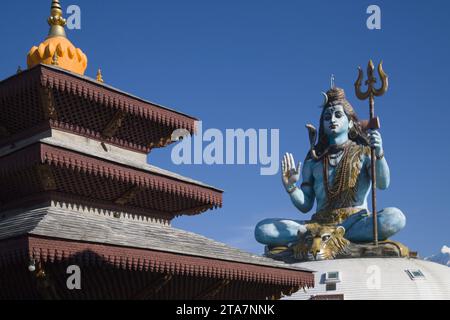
(377, 279)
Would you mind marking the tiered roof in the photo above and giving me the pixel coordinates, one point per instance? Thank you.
(75, 188)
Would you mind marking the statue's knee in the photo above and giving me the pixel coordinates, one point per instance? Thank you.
(266, 222)
(395, 217)
(266, 231)
(277, 231)
(391, 221)
(265, 227)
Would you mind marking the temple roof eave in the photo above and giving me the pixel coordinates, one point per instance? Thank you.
(103, 180)
(49, 139)
(110, 87)
(86, 107)
(51, 251)
(125, 234)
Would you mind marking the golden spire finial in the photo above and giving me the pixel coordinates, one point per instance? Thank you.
(57, 49)
(56, 20)
(99, 76)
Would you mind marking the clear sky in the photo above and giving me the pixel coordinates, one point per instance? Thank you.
(262, 64)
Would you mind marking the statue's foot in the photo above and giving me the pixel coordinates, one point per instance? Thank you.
(280, 253)
(402, 249)
(384, 249)
(273, 251)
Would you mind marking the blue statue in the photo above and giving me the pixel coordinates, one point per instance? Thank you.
(336, 174)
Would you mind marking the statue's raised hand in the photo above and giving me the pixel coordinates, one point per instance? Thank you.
(290, 173)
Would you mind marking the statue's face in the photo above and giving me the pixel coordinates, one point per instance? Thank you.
(335, 121)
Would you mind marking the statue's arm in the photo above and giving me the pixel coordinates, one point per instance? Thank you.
(383, 174)
(381, 166)
(303, 198)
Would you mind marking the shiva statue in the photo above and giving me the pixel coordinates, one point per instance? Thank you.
(336, 174)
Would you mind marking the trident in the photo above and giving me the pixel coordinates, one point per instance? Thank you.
(374, 124)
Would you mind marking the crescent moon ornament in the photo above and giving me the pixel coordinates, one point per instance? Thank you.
(325, 99)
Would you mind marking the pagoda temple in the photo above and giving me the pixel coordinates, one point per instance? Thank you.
(76, 190)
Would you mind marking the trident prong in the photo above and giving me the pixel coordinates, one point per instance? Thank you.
(370, 94)
(371, 80)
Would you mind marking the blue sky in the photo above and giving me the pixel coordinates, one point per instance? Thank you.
(262, 64)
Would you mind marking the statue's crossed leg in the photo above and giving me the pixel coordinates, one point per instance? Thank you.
(358, 228)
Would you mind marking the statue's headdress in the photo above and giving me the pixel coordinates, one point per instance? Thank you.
(336, 96)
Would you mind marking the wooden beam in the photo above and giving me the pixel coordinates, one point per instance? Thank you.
(4, 133)
(48, 103)
(163, 142)
(45, 285)
(114, 125)
(128, 196)
(195, 210)
(213, 290)
(153, 288)
(46, 177)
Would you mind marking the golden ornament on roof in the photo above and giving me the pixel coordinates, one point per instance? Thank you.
(57, 47)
